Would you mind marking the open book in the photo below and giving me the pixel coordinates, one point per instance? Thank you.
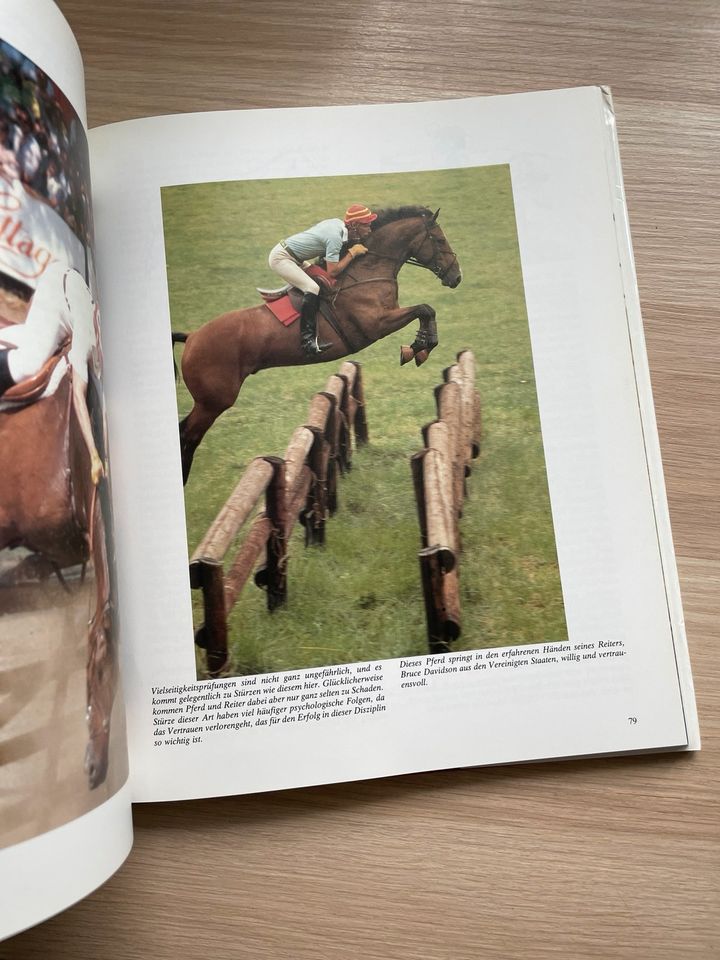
(400, 508)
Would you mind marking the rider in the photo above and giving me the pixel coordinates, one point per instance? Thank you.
(326, 240)
(61, 307)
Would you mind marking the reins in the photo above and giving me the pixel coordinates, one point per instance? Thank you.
(356, 283)
(412, 259)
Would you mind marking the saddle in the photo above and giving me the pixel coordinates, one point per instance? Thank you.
(30, 390)
(285, 302)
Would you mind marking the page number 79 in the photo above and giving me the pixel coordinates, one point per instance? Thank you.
(632, 721)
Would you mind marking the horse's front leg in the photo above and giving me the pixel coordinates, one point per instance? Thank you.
(426, 339)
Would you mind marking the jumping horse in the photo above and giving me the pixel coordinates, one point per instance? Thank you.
(221, 354)
(49, 505)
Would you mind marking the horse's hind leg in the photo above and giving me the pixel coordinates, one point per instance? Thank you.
(192, 429)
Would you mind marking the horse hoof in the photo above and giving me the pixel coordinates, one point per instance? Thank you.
(406, 355)
(421, 357)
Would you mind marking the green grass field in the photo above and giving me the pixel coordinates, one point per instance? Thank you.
(358, 597)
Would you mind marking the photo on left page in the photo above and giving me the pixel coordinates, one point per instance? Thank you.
(62, 727)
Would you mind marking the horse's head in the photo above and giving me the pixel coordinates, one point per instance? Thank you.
(425, 243)
(435, 253)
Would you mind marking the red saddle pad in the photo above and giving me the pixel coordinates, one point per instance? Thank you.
(283, 309)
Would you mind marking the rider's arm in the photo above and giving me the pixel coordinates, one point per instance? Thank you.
(336, 268)
(80, 402)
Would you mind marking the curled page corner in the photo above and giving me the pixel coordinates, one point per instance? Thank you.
(607, 98)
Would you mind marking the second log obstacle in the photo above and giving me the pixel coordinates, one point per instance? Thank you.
(302, 485)
(440, 472)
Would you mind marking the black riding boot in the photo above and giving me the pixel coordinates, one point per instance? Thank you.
(6, 380)
(308, 326)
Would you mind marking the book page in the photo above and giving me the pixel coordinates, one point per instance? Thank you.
(381, 567)
(64, 804)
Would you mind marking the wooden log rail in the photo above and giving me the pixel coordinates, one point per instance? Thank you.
(440, 472)
(302, 485)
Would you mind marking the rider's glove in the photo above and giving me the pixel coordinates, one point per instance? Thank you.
(357, 250)
(96, 468)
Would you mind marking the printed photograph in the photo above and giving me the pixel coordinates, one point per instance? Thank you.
(62, 730)
(359, 427)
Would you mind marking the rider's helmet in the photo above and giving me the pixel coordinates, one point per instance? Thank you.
(359, 213)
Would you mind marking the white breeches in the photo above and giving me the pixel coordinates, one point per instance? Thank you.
(59, 307)
(286, 266)
(34, 344)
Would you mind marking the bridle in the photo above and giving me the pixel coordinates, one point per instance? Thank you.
(349, 282)
(414, 258)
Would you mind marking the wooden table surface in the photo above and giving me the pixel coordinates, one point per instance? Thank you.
(598, 858)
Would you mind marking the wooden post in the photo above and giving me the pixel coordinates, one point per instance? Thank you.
(276, 562)
(348, 374)
(460, 374)
(347, 410)
(253, 546)
(319, 412)
(439, 533)
(451, 605)
(436, 436)
(336, 386)
(360, 423)
(296, 455)
(348, 370)
(447, 398)
(416, 466)
(432, 581)
(332, 433)
(466, 367)
(212, 636)
(295, 501)
(438, 562)
(316, 510)
(477, 425)
(297, 498)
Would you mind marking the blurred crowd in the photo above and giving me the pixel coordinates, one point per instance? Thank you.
(42, 142)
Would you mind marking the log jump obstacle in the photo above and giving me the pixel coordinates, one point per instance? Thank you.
(302, 485)
(440, 472)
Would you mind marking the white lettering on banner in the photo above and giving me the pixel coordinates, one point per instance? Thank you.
(33, 235)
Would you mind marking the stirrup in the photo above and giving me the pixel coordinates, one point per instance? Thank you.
(314, 347)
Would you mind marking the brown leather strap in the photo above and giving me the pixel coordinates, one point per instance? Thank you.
(33, 388)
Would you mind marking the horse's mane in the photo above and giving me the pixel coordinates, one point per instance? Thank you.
(399, 213)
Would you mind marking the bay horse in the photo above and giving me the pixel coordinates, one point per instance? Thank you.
(49, 505)
(221, 354)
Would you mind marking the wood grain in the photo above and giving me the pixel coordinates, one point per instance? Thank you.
(613, 858)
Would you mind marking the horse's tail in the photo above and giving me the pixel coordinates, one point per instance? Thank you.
(177, 338)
